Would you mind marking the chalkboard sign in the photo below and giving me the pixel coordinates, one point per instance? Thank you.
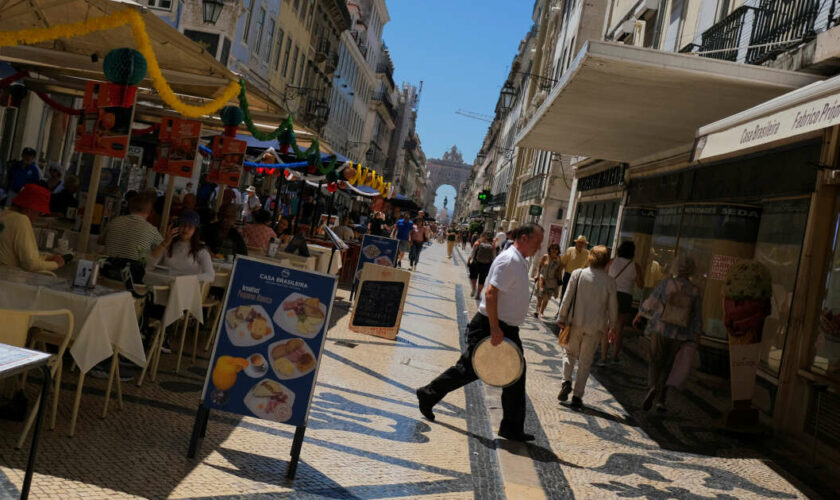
(379, 303)
(380, 300)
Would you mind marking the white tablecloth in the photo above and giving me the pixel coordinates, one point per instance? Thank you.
(103, 318)
(184, 295)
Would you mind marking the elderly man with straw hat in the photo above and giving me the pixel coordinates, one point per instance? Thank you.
(575, 258)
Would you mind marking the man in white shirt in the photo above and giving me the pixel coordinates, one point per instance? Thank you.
(503, 308)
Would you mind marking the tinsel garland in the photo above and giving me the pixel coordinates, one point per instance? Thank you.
(134, 19)
(57, 105)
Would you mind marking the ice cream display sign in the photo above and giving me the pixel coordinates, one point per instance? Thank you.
(269, 343)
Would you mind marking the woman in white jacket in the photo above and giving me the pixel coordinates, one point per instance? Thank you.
(182, 250)
(590, 306)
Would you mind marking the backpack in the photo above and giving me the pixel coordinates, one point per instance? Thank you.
(677, 307)
(484, 253)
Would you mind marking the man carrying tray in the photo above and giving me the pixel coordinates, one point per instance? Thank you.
(503, 308)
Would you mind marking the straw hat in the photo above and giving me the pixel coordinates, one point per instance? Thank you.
(251, 189)
(582, 239)
(33, 197)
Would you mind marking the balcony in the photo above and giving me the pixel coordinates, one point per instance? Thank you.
(322, 51)
(332, 63)
(385, 99)
(360, 37)
(532, 189)
(755, 34)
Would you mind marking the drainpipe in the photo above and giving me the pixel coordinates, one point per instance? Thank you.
(660, 21)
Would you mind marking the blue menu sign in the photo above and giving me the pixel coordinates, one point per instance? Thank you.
(268, 347)
(377, 249)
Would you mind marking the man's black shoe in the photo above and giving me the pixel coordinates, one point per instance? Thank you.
(425, 407)
(648, 402)
(577, 403)
(565, 391)
(520, 436)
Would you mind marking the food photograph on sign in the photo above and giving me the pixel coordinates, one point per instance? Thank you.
(266, 356)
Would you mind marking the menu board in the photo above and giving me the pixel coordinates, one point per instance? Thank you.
(226, 161)
(105, 124)
(376, 250)
(269, 342)
(380, 300)
(178, 146)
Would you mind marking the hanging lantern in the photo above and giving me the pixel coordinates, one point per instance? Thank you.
(124, 66)
(231, 117)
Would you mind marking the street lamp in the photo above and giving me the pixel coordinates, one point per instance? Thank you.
(322, 109)
(480, 157)
(212, 10)
(508, 93)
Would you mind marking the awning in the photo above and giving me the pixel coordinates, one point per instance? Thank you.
(620, 102)
(188, 68)
(796, 113)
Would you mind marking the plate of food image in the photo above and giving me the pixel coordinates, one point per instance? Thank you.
(291, 358)
(384, 261)
(248, 325)
(270, 400)
(371, 251)
(301, 315)
(257, 365)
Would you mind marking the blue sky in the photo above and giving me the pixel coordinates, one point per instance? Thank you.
(461, 50)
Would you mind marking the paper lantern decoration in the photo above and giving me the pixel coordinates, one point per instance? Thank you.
(17, 91)
(124, 66)
(332, 187)
(286, 138)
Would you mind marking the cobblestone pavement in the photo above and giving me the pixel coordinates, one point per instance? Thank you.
(366, 438)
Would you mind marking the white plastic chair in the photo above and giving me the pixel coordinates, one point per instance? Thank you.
(16, 324)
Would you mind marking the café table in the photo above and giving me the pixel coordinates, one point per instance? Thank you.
(13, 361)
(105, 322)
(184, 294)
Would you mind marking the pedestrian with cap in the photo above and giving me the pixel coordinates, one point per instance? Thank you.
(251, 204)
(575, 258)
(23, 172)
(503, 308)
(182, 250)
(18, 246)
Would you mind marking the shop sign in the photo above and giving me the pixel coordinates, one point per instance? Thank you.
(611, 177)
(105, 124)
(555, 233)
(535, 210)
(227, 160)
(807, 117)
(178, 147)
(268, 347)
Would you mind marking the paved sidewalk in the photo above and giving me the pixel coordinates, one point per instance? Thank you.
(366, 438)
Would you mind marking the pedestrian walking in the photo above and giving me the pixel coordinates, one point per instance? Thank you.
(465, 239)
(576, 257)
(401, 231)
(626, 273)
(675, 312)
(417, 238)
(451, 236)
(549, 277)
(503, 308)
(479, 263)
(591, 309)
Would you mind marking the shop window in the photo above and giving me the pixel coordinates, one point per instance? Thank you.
(826, 358)
(596, 221)
(160, 4)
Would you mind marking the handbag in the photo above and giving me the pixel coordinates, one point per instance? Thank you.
(677, 308)
(563, 337)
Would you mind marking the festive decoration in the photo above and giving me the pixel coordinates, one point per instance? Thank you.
(49, 101)
(332, 187)
(134, 19)
(124, 66)
(17, 91)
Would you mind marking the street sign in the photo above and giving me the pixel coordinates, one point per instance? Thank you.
(535, 210)
(268, 347)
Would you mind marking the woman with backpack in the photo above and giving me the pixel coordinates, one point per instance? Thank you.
(675, 309)
(479, 262)
(550, 273)
(626, 273)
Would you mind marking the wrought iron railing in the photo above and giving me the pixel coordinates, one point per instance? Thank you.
(756, 33)
(532, 189)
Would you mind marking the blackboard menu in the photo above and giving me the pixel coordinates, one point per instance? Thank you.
(380, 300)
(379, 304)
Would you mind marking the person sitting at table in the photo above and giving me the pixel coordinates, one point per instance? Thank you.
(66, 198)
(128, 239)
(259, 234)
(18, 246)
(182, 250)
(345, 230)
(222, 237)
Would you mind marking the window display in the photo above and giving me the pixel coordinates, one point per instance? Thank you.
(826, 359)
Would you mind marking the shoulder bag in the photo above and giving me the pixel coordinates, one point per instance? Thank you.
(563, 338)
(677, 307)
